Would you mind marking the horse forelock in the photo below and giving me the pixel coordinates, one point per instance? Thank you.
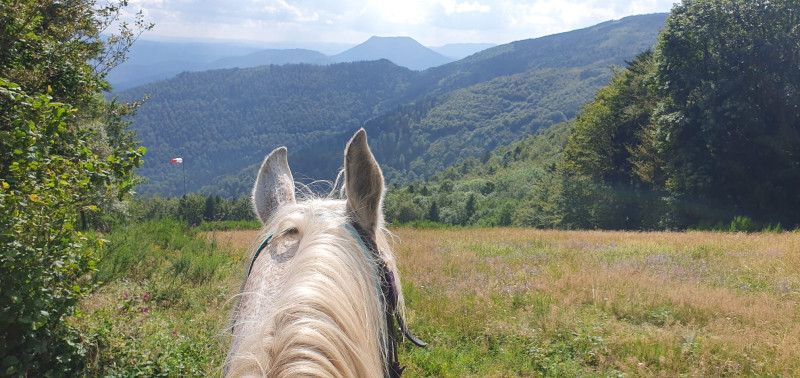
(310, 305)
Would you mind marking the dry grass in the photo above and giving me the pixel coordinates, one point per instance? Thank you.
(591, 302)
(235, 241)
(518, 302)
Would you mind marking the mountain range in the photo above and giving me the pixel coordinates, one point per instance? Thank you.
(157, 60)
(223, 122)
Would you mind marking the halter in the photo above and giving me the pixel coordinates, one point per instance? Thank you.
(385, 284)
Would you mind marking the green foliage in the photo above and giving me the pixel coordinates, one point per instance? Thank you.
(48, 174)
(64, 155)
(728, 123)
(154, 314)
(702, 130)
(230, 225)
(740, 223)
(419, 122)
(43, 258)
(609, 170)
(210, 212)
(526, 193)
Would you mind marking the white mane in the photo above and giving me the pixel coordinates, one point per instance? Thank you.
(311, 305)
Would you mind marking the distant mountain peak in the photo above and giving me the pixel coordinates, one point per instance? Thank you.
(403, 51)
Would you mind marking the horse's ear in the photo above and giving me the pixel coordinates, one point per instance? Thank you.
(274, 185)
(363, 182)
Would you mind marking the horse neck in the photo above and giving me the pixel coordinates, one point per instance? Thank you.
(324, 317)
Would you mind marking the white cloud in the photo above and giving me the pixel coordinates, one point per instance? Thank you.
(451, 7)
(433, 23)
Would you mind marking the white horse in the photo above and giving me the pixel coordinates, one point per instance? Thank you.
(323, 289)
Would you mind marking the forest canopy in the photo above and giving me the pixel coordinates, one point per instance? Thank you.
(700, 131)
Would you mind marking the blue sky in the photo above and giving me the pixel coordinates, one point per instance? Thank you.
(431, 22)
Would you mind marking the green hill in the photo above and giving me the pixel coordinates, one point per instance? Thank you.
(223, 122)
(494, 98)
(510, 185)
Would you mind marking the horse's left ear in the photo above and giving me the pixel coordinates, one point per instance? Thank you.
(274, 185)
(363, 182)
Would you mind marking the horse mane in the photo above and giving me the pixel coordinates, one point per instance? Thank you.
(324, 316)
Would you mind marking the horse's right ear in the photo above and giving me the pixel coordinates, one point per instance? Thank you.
(274, 185)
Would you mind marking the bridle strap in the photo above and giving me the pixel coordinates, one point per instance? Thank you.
(388, 289)
(258, 252)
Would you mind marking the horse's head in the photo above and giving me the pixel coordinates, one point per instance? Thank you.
(322, 288)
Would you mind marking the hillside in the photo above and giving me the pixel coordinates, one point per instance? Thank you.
(489, 190)
(225, 121)
(461, 50)
(495, 97)
(272, 56)
(149, 61)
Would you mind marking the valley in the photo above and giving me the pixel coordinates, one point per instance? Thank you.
(224, 121)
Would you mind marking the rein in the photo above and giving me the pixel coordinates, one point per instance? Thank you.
(388, 293)
(388, 289)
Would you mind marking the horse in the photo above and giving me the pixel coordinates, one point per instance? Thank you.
(322, 290)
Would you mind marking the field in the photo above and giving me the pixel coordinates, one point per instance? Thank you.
(490, 302)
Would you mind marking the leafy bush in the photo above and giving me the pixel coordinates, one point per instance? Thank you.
(65, 154)
(47, 169)
(161, 308)
(743, 224)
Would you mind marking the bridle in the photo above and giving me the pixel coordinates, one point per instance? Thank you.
(387, 287)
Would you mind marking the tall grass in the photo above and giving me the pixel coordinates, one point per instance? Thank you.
(500, 302)
(490, 302)
(162, 306)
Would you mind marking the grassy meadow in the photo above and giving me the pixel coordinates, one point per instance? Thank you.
(490, 302)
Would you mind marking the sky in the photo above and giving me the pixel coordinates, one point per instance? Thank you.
(431, 22)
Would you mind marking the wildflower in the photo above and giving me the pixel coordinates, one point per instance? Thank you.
(126, 295)
(146, 310)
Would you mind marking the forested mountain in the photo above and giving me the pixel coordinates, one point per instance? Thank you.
(601, 45)
(702, 131)
(272, 56)
(223, 122)
(403, 51)
(461, 50)
(150, 61)
(495, 97)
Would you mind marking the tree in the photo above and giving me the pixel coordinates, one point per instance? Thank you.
(606, 154)
(469, 208)
(433, 212)
(61, 149)
(729, 123)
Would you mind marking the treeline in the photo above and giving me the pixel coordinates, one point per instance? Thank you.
(703, 131)
(517, 185)
(192, 209)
